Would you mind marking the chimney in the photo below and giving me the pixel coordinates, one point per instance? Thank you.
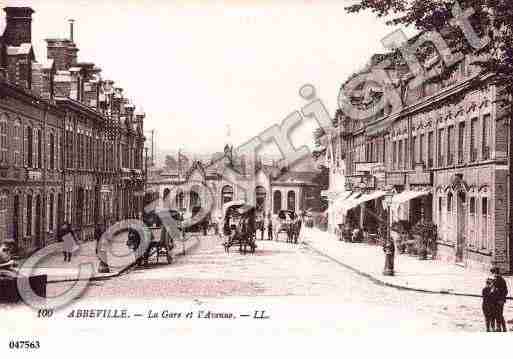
(18, 29)
(63, 52)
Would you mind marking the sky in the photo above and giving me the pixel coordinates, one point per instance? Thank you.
(199, 67)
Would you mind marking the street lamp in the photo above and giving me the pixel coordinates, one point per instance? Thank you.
(388, 245)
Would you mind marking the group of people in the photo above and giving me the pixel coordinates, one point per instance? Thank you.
(494, 297)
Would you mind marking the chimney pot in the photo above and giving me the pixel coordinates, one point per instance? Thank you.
(71, 22)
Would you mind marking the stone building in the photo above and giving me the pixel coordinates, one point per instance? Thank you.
(71, 145)
(228, 179)
(444, 152)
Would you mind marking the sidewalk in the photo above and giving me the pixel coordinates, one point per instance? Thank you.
(410, 273)
(59, 271)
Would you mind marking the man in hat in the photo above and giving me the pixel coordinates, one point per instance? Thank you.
(501, 293)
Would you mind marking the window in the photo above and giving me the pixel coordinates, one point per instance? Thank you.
(405, 164)
(440, 218)
(430, 149)
(461, 136)
(473, 149)
(413, 152)
(276, 202)
(440, 147)
(69, 149)
(29, 151)
(450, 137)
(291, 201)
(39, 150)
(421, 149)
(17, 159)
(3, 139)
(52, 151)
(227, 194)
(394, 154)
(486, 145)
(28, 215)
(472, 223)
(449, 202)
(3, 216)
(484, 223)
(400, 154)
(51, 217)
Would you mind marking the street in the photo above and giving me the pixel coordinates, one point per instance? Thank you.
(296, 286)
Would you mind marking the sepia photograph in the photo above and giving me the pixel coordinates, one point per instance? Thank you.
(202, 170)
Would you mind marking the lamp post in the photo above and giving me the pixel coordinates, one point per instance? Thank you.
(388, 245)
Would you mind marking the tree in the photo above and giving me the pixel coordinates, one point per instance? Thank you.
(491, 20)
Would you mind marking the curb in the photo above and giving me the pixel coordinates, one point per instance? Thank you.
(116, 274)
(383, 283)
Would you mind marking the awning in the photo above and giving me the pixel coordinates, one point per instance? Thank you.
(406, 196)
(364, 198)
(340, 200)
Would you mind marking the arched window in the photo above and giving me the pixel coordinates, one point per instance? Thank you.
(3, 215)
(194, 200)
(227, 194)
(165, 197)
(52, 151)
(29, 153)
(276, 202)
(179, 200)
(485, 223)
(28, 215)
(17, 159)
(291, 201)
(39, 149)
(3, 139)
(449, 202)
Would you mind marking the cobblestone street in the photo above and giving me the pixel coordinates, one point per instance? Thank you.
(280, 273)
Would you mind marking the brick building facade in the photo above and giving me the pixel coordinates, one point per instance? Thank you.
(446, 154)
(71, 145)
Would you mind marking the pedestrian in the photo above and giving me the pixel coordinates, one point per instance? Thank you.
(67, 236)
(269, 227)
(500, 295)
(488, 305)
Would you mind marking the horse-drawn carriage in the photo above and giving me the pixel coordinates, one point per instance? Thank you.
(162, 242)
(288, 222)
(239, 226)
